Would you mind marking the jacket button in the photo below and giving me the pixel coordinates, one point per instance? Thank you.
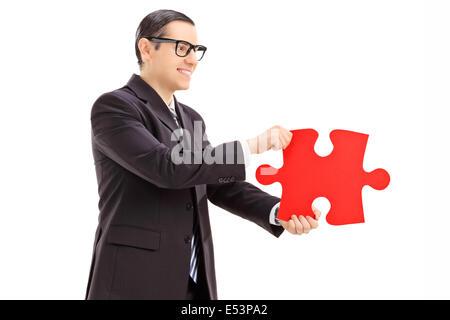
(188, 206)
(187, 239)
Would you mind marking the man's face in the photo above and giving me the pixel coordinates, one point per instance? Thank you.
(164, 65)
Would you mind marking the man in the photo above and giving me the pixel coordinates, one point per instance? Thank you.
(153, 240)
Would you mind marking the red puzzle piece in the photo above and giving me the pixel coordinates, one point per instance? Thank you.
(339, 177)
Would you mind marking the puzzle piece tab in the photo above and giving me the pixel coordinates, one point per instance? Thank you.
(339, 177)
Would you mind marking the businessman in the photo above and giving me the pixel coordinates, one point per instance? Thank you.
(153, 239)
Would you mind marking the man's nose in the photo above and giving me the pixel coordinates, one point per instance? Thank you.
(192, 57)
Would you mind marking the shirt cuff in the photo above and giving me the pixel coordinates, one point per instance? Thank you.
(247, 152)
(272, 215)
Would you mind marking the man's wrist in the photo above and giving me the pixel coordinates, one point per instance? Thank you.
(277, 221)
(246, 151)
(273, 215)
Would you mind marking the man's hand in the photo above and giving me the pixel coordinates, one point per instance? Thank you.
(300, 225)
(274, 138)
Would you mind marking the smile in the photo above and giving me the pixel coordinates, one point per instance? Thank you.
(185, 72)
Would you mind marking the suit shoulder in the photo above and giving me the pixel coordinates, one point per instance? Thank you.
(115, 100)
(117, 95)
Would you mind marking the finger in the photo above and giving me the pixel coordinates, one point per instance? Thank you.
(317, 212)
(262, 142)
(285, 140)
(283, 137)
(313, 223)
(288, 135)
(268, 140)
(298, 224)
(305, 224)
(285, 225)
(276, 146)
(275, 139)
(284, 133)
(291, 227)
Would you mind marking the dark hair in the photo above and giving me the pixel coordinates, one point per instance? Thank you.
(154, 25)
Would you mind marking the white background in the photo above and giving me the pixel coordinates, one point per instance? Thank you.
(377, 67)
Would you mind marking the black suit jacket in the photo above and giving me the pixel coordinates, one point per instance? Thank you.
(147, 203)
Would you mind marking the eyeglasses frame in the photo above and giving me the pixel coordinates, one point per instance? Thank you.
(191, 46)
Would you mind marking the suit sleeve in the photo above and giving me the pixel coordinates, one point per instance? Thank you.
(118, 131)
(246, 201)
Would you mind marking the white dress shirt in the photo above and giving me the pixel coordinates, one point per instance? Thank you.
(247, 155)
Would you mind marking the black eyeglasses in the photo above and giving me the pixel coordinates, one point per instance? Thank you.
(182, 48)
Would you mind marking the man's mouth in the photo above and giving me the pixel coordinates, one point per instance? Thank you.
(185, 72)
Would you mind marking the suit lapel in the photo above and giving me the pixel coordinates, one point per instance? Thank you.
(154, 101)
(186, 122)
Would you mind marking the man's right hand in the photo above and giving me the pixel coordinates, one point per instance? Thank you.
(274, 138)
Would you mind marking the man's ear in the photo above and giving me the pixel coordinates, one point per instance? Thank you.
(146, 49)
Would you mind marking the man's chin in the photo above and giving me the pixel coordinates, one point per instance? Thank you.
(183, 86)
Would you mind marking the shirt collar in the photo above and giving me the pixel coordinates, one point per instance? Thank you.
(172, 104)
